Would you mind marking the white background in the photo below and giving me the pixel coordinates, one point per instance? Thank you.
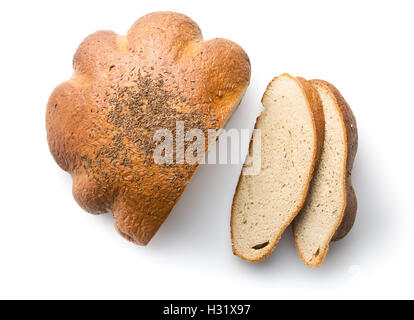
(50, 248)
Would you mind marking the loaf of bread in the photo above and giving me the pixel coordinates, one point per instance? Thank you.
(101, 123)
(292, 132)
(331, 205)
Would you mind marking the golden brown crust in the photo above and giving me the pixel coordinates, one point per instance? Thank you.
(352, 146)
(318, 120)
(351, 138)
(318, 117)
(100, 123)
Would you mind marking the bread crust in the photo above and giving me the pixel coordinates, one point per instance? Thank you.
(92, 136)
(351, 144)
(318, 121)
(319, 118)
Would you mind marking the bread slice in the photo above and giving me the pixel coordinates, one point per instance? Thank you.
(292, 134)
(330, 208)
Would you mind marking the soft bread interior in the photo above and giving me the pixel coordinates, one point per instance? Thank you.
(325, 204)
(266, 203)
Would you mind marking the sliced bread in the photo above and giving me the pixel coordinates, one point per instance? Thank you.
(330, 208)
(292, 131)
